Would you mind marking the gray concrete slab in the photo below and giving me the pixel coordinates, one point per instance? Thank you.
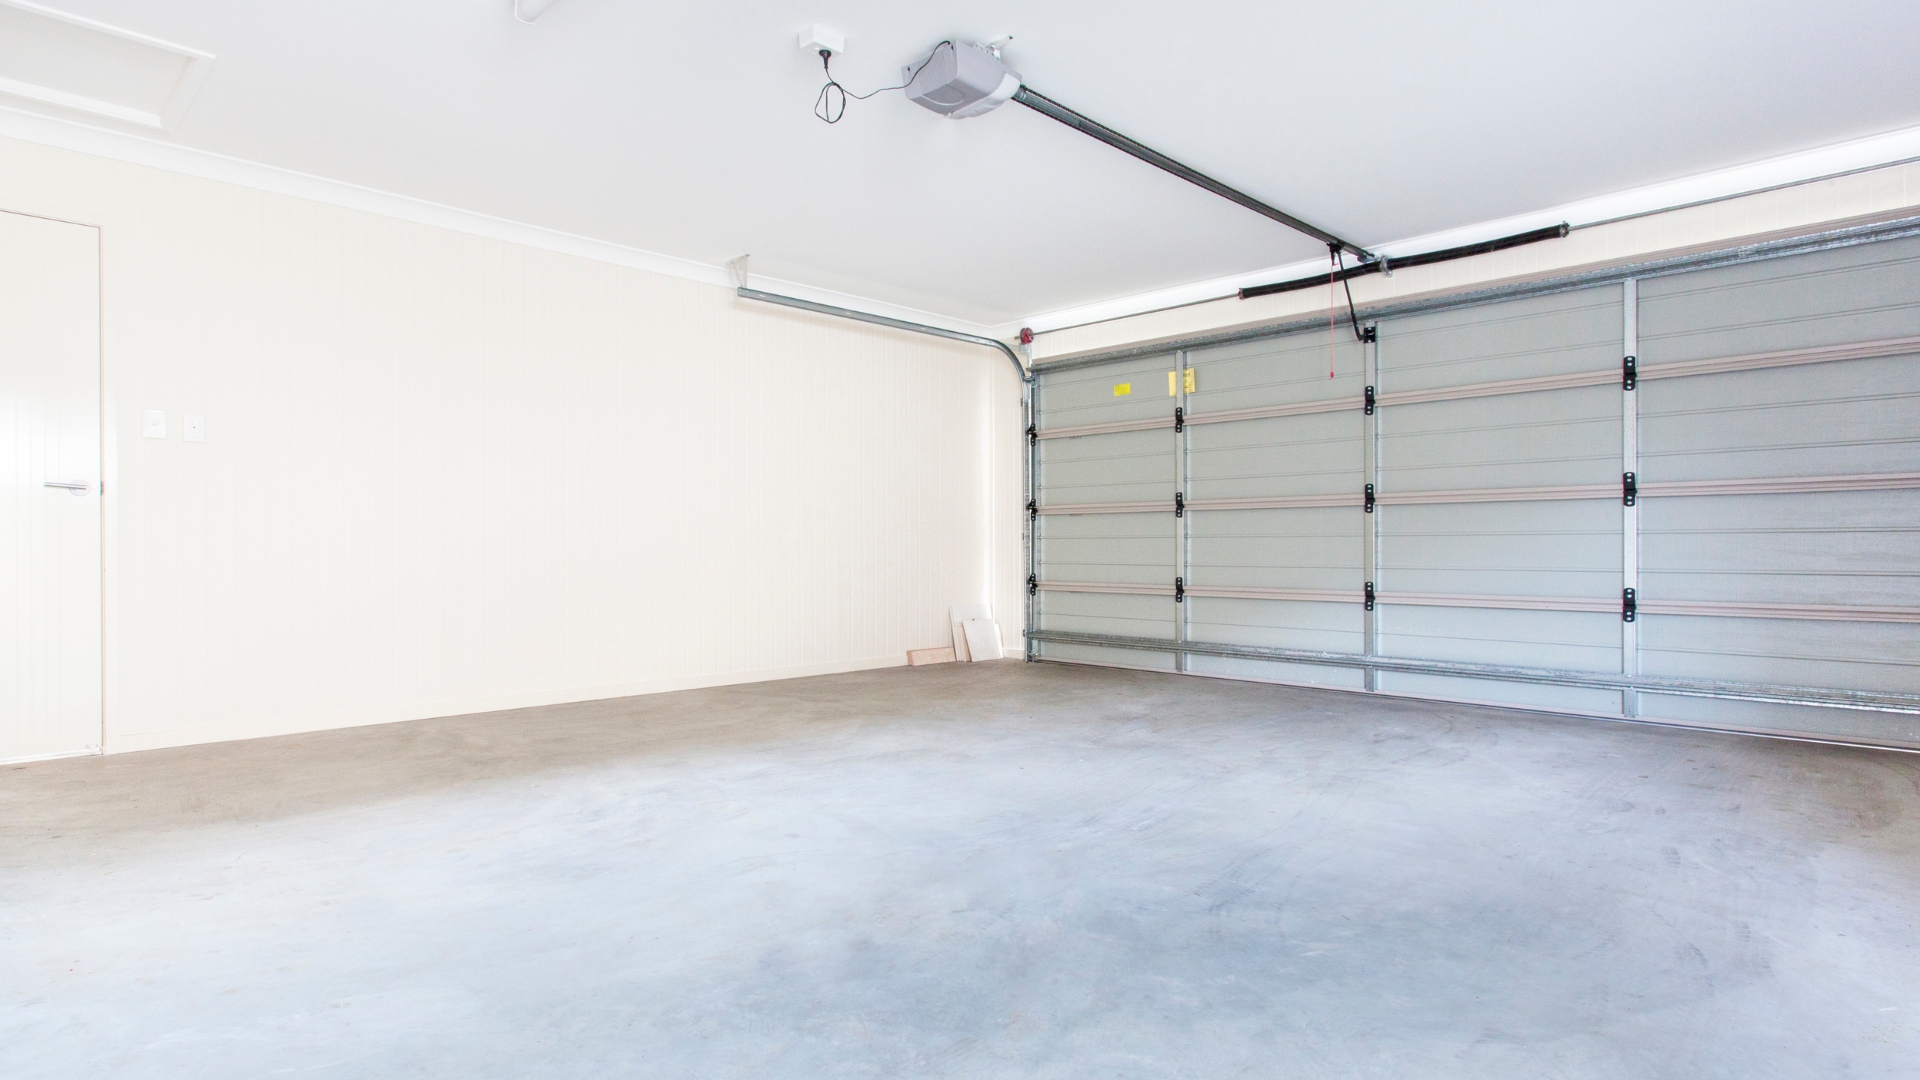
(967, 871)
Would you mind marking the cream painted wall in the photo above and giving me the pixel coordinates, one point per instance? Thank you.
(445, 473)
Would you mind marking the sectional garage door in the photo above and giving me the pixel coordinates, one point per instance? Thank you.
(1691, 497)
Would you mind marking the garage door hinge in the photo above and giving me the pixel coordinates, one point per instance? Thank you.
(1629, 373)
(1179, 420)
(1179, 590)
(1033, 435)
(1369, 498)
(1369, 596)
(1033, 509)
(1179, 504)
(1369, 401)
(1370, 335)
(1626, 605)
(1033, 584)
(1629, 489)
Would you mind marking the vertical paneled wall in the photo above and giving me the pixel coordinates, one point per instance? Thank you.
(444, 473)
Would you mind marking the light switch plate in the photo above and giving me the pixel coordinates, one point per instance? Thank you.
(193, 427)
(153, 423)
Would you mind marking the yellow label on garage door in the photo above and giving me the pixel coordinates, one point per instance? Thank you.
(1122, 389)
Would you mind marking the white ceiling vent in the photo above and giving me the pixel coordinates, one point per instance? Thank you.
(53, 58)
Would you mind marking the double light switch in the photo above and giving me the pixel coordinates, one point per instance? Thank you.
(153, 425)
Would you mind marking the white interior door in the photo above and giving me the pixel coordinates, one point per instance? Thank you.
(50, 639)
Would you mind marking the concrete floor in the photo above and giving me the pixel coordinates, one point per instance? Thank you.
(994, 870)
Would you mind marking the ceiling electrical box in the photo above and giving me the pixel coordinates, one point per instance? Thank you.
(961, 81)
(818, 39)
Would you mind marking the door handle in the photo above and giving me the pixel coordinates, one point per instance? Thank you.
(78, 487)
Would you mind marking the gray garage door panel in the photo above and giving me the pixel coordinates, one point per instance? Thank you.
(1521, 695)
(1521, 549)
(1793, 652)
(1544, 549)
(1315, 454)
(1093, 654)
(1519, 339)
(1283, 371)
(1848, 725)
(1127, 466)
(1515, 440)
(1275, 624)
(1086, 396)
(1308, 548)
(1267, 671)
(1839, 547)
(1117, 549)
(1836, 297)
(1563, 640)
(1110, 614)
(1856, 416)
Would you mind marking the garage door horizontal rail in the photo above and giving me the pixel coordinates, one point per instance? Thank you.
(1349, 596)
(1783, 485)
(1283, 502)
(1680, 369)
(1865, 700)
(1816, 612)
(1114, 428)
(1163, 507)
(1268, 412)
(1115, 588)
(1498, 602)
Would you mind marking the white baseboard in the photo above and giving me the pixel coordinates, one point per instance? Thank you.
(126, 742)
(30, 758)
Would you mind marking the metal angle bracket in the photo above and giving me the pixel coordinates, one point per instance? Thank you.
(1033, 435)
(1369, 503)
(1033, 509)
(1369, 596)
(1033, 584)
(1629, 489)
(1369, 405)
(1629, 373)
(1628, 609)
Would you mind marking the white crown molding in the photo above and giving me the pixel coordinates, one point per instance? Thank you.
(134, 149)
(1876, 151)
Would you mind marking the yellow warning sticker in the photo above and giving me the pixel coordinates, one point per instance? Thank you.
(1173, 385)
(1190, 385)
(1122, 389)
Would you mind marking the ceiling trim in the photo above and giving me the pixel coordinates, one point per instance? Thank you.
(1807, 166)
(134, 149)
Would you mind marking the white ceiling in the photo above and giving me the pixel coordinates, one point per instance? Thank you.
(687, 129)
